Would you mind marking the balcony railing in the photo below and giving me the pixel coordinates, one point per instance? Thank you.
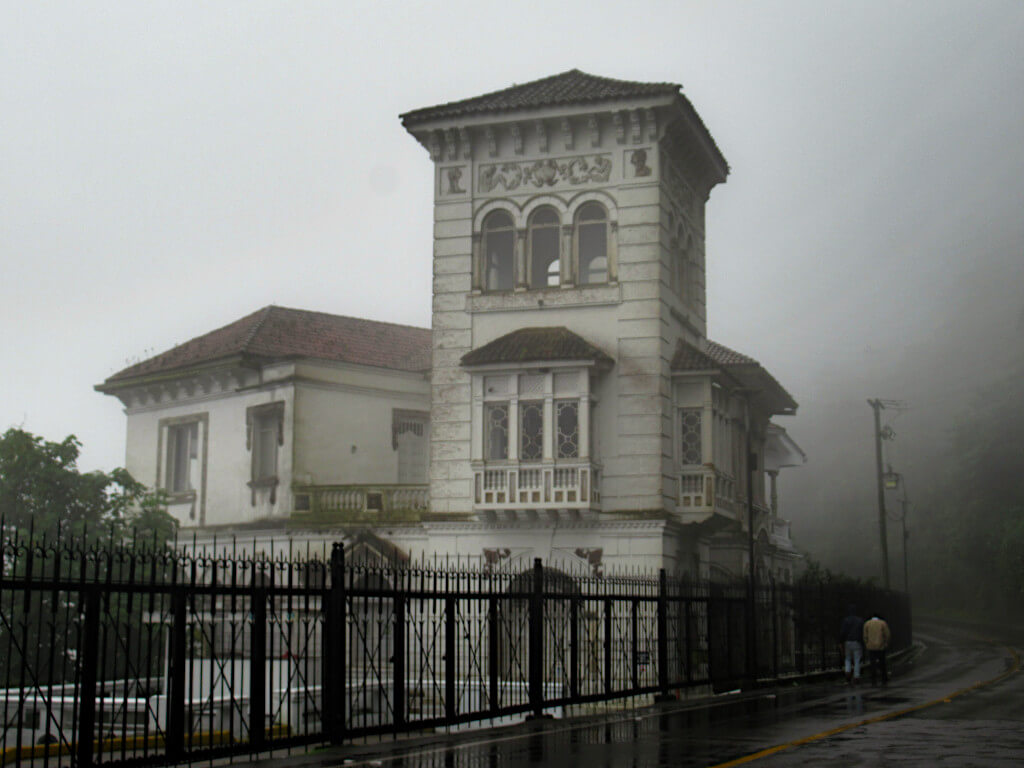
(705, 489)
(522, 486)
(353, 501)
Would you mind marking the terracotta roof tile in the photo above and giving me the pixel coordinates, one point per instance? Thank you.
(725, 356)
(528, 345)
(572, 87)
(743, 369)
(688, 358)
(280, 333)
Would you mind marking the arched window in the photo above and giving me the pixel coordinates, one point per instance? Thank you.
(499, 243)
(545, 234)
(592, 244)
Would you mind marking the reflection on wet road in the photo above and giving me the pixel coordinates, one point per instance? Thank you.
(817, 725)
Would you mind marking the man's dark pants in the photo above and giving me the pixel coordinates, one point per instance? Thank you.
(878, 665)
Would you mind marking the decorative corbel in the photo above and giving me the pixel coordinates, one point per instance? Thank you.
(634, 125)
(450, 144)
(435, 146)
(467, 145)
(651, 118)
(492, 142)
(620, 128)
(595, 131)
(517, 138)
(567, 136)
(542, 135)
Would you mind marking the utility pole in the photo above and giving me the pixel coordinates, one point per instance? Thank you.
(877, 406)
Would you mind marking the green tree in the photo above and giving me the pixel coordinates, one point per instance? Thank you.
(64, 523)
(41, 488)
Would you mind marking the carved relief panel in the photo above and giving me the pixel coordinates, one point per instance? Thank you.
(540, 174)
(453, 180)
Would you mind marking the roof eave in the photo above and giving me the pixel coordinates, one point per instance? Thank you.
(110, 386)
(490, 116)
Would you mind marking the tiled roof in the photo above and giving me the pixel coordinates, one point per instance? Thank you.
(572, 87)
(276, 333)
(528, 345)
(688, 358)
(743, 369)
(725, 356)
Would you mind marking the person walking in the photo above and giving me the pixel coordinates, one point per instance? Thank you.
(876, 640)
(850, 636)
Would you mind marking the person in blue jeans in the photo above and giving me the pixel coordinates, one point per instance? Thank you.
(850, 635)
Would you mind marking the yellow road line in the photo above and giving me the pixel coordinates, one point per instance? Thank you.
(889, 716)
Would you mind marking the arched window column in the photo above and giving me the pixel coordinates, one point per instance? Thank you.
(522, 279)
(568, 276)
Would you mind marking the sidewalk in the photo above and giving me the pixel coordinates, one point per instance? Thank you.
(707, 709)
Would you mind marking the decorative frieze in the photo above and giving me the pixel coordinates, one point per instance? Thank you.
(575, 171)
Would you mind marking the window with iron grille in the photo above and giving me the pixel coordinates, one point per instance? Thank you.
(531, 431)
(690, 449)
(567, 424)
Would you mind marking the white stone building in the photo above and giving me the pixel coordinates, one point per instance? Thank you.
(577, 411)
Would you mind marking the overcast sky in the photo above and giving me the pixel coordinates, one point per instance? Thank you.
(168, 168)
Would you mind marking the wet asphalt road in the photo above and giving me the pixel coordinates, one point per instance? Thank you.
(979, 727)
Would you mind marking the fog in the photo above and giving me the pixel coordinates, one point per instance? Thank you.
(170, 168)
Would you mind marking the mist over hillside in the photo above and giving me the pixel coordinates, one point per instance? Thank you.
(963, 383)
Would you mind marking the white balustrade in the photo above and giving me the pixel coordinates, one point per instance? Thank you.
(517, 486)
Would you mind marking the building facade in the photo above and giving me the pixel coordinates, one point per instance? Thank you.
(577, 410)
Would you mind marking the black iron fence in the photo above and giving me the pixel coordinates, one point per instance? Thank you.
(124, 654)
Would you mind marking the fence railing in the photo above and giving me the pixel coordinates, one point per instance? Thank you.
(150, 655)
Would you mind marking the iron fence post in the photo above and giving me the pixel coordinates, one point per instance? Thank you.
(663, 633)
(537, 640)
(399, 676)
(634, 638)
(175, 735)
(332, 697)
(775, 630)
(574, 649)
(492, 651)
(90, 660)
(688, 623)
(821, 625)
(607, 645)
(258, 674)
(449, 658)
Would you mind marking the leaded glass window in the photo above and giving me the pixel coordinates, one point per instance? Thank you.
(567, 422)
(531, 431)
(496, 431)
(689, 435)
